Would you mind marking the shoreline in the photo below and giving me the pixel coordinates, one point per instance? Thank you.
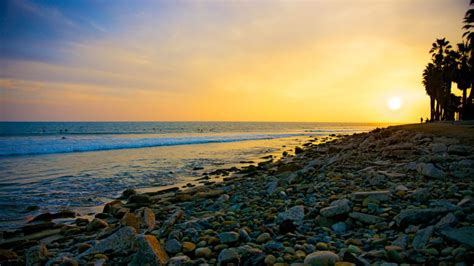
(344, 200)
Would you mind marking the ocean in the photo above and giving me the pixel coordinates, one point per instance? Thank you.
(49, 166)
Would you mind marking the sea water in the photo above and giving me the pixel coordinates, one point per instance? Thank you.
(50, 166)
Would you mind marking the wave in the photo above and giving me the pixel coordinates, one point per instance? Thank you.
(48, 145)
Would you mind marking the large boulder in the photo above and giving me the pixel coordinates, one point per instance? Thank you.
(429, 170)
(123, 239)
(149, 252)
(321, 258)
(295, 214)
(418, 216)
(463, 235)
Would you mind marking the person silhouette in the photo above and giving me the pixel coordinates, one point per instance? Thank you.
(421, 120)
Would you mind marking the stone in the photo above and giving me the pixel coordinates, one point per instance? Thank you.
(337, 207)
(294, 214)
(173, 246)
(112, 207)
(401, 241)
(382, 195)
(447, 221)
(321, 258)
(36, 255)
(439, 148)
(128, 192)
(244, 235)
(429, 170)
(366, 218)
(421, 194)
(149, 252)
(271, 187)
(418, 216)
(146, 217)
(264, 237)
(129, 219)
(122, 239)
(422, 237)
(6, 255)
(179, 260)
(459, 150)
(228, 237)
(354, 249)
(188, 247)
(139, 198)
(96, 224)
(270, 259)
(203, 252)
(463, 235)
(339, 227)
(228, 255)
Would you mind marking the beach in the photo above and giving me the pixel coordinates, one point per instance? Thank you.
(401, 194)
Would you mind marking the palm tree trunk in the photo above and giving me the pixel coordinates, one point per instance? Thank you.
(432, 108)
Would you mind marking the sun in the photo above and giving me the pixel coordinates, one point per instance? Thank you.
(394, 103)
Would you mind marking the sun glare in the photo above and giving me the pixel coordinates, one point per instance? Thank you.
(394, 103)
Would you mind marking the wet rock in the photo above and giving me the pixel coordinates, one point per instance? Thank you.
(382, 195)
(146, 217)
(366, 218)
(51, 216)
(228, 237)
(128, 192)
(295, 214)
(173, 246)
(228, 255)
(447, 221)
(264, 237)
(96, 224)
(422, 237)
(204, 252)
(179, 260)
(149, 252)
(429, 170)
(337, 207)
(321, 258)
(129, 219)
(36, 255)
(463, 235)
(139, 198)
(418, 216)
(122, 239)
(112, 207)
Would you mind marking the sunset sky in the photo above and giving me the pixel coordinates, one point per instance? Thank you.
(321, 60)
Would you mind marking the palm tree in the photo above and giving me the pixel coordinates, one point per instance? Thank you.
(442, 58)
(468, 109)
(463, 73)
(432, 80)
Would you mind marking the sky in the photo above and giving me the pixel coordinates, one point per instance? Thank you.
(300, 60)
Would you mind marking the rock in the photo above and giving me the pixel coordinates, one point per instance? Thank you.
(228, 237)
(418, 216)
(463, 235)
(422, 237)
(429, 170)
(295, 214)
(421, 194)
(366, 218)
(439, 148)
(271, 187)
(129, 219)
(179, 260)
(112, 207)
(401, 241)
(354, 249)
(270, 260)
(459, 150)
(264, 237)
(149, 252)
(122, 239)
(223, 198)
(51, 216)
(447, 221)
(228, 255)
(96, 224)
(139, 198)
(128, 192)
(339, 227)
(337, 207)
(204, 252)
(383, 195)
(287, 226)
(244, 236)
(146, 217)
(188, 247)
(173, 246)
(273, 246)
(6, 255)
(36, 255)
(321, 258)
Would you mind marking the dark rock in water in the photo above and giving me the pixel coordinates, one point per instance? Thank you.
(51, 216)
(149, 252)
(418, 216)
(228, 255)
(139, 198)
(463, 235)
(128, 192)
(422, 237)
(36, 227)
(32, 208)
(287, 226)
(198, 168)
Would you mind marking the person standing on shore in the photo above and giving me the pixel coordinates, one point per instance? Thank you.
(421, 120)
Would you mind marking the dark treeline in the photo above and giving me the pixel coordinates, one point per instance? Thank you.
(452, 64)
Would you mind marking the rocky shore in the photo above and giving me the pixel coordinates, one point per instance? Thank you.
(387, 197)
